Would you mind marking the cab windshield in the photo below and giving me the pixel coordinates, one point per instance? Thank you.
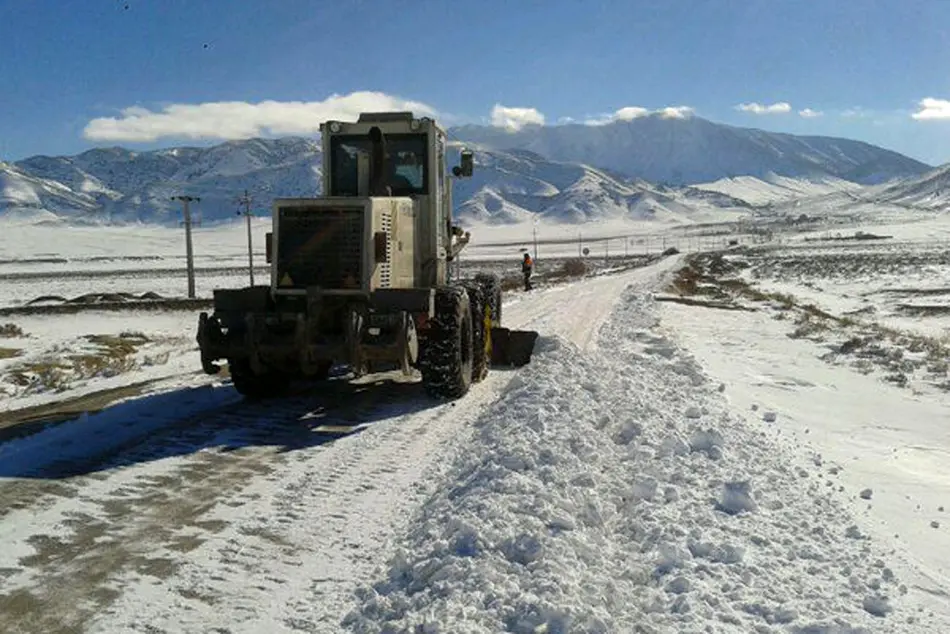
(406, 164)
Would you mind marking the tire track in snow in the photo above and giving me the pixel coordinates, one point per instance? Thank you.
(578, 310)
(337, 530)
(85, 529)
(188, 524)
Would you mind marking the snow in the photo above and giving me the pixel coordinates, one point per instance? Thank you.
(883, 446)
(557, 523)
(879, 281)
(108, 430)
(166, 353)
(656, 468)
(773, 188)
(68, 261)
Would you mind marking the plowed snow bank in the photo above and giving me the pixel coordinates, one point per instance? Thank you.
(611, 490)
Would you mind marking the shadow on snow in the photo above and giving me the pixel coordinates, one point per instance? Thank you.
(190, 420)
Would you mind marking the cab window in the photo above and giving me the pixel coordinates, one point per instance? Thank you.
(406, 164)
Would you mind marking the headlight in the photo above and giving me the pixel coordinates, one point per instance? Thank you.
(414, 124)
(335, 126)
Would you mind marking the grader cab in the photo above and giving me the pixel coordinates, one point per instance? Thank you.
(360, 275)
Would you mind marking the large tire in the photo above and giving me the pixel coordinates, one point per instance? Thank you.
(322, 372)
(446, 355)
(491, 285)
(481, 354)
(255, 386)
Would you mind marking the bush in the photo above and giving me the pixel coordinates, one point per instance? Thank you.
(10, 330)
(512, 283)
(574, 267)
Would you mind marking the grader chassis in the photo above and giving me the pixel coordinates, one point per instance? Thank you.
(360, 276)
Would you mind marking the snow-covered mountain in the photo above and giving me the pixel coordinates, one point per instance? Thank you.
(518, 185)
(118, 185)
(21, 191)
(574, 173)
(122, 185)
(929, 191)
(773, 188)
(688, 150)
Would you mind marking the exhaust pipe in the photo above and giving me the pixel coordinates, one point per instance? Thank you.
(377, 182)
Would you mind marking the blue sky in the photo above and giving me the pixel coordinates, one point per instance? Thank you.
(151, 73)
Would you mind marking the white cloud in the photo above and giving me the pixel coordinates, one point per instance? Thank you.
(241, 120)
(808, 113)
(514, 119)
(630, 113)
(932, 109)
(675, 112)
(758, 108)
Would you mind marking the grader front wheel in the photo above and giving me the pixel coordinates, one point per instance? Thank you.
(481, 331)
(252, 385)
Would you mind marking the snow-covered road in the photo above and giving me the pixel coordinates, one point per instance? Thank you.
(214, 523)
(610, 486)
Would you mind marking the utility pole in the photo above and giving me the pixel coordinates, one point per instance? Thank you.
(536, 220)
(246, 200)
(189, 252)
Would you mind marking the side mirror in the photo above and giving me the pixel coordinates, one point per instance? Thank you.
(467, 166)
(268, 248)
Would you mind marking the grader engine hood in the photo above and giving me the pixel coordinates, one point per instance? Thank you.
(319, 247)
(342, 244)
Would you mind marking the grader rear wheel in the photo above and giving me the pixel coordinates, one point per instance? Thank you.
(446, 355)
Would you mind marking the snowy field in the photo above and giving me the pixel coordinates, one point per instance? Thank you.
(48, 357)
(49, 259)
(658, 467)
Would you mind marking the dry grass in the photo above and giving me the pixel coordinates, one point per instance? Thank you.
(689, 301)
(10, 330)
(686, 281)
(866, 344)
(512, 283)
(573, 268)
(106, 356)
(9, 353)
(808, 326)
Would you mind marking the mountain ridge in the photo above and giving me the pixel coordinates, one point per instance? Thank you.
(115, 184)
(689, 150)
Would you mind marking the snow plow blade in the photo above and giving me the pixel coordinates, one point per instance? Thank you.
(512, 347)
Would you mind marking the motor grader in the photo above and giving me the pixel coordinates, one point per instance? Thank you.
(360, 276)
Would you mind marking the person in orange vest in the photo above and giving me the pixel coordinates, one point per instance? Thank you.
(526, 266)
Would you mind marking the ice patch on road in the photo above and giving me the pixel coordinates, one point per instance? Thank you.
(596, 500)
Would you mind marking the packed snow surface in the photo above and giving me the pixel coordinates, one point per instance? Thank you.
(656, 468)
